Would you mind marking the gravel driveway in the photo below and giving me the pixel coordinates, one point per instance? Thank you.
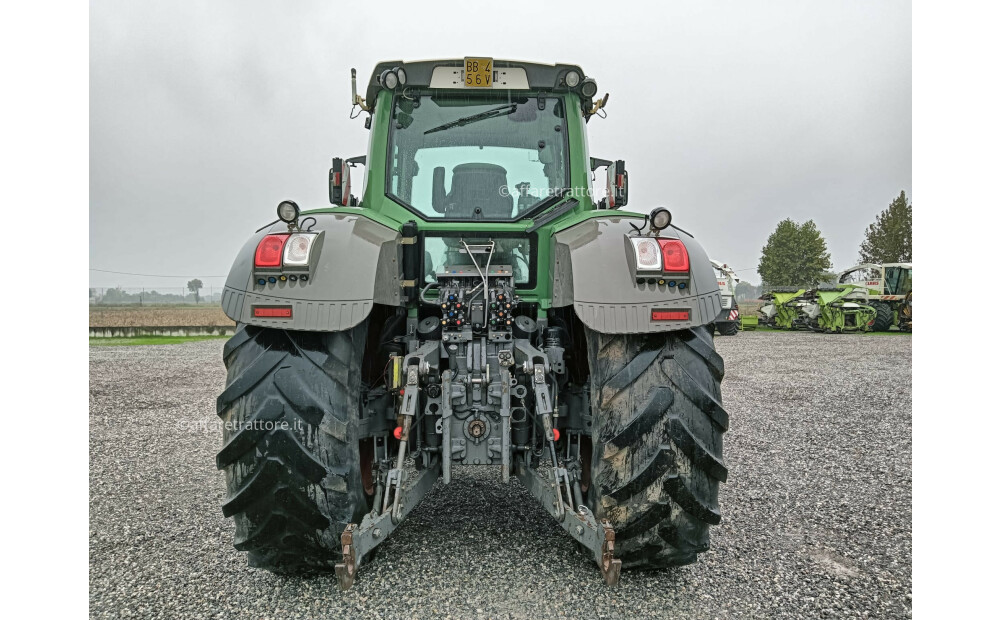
(816, 513)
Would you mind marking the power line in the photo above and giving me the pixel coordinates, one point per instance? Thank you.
(150, 275)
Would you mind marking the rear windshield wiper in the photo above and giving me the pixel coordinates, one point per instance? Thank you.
(503, 110)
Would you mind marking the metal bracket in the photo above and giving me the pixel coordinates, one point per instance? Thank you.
(581, 524)
(611, 567)
(505, 424)
(348, 568)
(543, 400)
(358, 540)
(446, 427)
(411, 392)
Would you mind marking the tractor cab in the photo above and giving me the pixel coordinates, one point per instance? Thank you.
(898, 279)
(886, 282)
(476, 140)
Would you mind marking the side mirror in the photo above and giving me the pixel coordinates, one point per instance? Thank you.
(617, 185)
(340, 183)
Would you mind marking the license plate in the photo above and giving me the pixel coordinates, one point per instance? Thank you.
(479, 72)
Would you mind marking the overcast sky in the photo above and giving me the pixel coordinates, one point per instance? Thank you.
(735, 115)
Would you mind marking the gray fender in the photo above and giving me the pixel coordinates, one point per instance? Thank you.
(355, 265)
(592, 271)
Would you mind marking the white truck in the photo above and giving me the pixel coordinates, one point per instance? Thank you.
(728, 320)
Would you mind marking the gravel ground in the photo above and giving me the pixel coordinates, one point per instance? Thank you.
(816, 513)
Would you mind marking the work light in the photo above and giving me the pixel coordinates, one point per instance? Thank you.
(589, 88)
(572, 78)
(389, 79)
(659, 219)
(288, 211)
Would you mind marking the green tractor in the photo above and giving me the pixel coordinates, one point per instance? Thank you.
(887, 286)
(473, 304)
(828, 309)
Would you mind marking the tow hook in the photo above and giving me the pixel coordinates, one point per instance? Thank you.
(611, 568)
(347, 569)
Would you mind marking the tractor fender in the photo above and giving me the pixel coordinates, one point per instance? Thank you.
(354, 265)
(593, 270)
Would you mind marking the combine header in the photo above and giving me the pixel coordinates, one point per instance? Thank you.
(831, 309)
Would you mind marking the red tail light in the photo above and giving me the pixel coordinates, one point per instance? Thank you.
(670, 315)
(272, 312)
(269, 251)
(675, 255)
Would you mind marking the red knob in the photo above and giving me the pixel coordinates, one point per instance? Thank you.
(398, 433)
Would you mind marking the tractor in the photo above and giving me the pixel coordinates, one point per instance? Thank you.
(728, 321)
(887, 287)
(472, 302)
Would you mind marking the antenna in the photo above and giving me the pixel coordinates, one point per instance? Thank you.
(355, 99)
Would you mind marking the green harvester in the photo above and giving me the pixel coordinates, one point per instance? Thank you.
(828, 309)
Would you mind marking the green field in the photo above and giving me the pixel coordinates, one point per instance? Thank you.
(804, 331)
(149, 340)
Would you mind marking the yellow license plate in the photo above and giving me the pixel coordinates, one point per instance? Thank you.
(479, 72)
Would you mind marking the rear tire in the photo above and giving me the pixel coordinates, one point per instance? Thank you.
(728, 328)
(657, 458)
(290, 449)
(883, 316)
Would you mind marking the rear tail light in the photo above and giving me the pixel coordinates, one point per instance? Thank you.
(671, 315)
(647, 254)
(675, 255)
(269, 251)
(272, 312)
(297, 249)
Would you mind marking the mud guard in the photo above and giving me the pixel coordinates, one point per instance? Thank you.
(592, 270)
(355, 266)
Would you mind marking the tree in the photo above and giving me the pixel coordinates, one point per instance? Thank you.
(795, 255)
(890, 238)
(745, 291)
(194, 286)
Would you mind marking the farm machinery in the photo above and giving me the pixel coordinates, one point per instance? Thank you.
(728, 321)
(474, 305)
(828, 309)
(888, 288)
(906, 313)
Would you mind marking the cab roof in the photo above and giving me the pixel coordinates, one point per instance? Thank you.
(421, 74)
